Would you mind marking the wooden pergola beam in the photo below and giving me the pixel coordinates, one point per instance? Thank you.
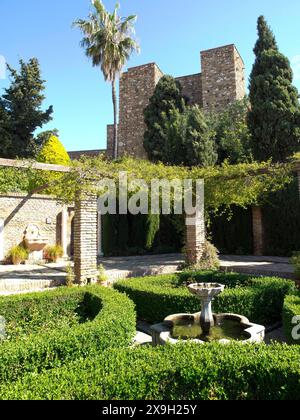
(23, 164)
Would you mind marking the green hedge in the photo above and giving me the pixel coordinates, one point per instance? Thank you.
(182, 372)
(281, 219)
(291, 309)
(105, 318)
(259, 299)
(232, 236)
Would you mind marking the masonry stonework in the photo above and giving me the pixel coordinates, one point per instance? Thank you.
(192, 88)
(221, 82)
(86, 238)
(136, 87)
(223, 79)
(195, 239)
(18, 211)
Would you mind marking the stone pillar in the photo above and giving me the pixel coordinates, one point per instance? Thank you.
(64, 231)
(1, 239)
(195, 238)
(258, 231)
(85, 238)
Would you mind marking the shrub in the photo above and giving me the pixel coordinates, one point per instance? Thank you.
(104, 319)
(54, 252)
(183, 372)
(295, 260)
(70, 276)
(259, 299)
(18, 254)
(291, 317)
(54, 152)
(209, 259)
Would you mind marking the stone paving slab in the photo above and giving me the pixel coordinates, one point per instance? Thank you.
(14, 279)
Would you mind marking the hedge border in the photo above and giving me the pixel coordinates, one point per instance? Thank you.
(259, 299)
(113, 326)
(182, 372)
(291, 309)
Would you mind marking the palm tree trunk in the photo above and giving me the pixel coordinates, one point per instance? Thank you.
(114, 98)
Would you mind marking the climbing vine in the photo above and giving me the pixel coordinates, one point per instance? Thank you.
(226, 185)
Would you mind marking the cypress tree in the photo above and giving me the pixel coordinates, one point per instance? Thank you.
(167, 97)
(274, 116)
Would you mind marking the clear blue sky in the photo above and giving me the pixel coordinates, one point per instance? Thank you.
(171, 33)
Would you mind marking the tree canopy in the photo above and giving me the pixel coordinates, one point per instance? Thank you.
(274, 116)
(108, 41)
(21, 111)
(54, 152)
(166, 99)
(232, 135)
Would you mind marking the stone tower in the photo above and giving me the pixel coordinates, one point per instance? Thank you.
(223, 77)
(221, 82)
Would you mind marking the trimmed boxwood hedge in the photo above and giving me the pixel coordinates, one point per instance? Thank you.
(291, 309)
(259, 299)
(182, 372)
(106, 319)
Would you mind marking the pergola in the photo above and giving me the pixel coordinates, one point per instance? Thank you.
(87, 217)
(86, 225)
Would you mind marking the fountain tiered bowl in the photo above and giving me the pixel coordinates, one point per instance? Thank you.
(205, 326)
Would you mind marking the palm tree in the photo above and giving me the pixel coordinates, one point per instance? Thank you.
(108, 41)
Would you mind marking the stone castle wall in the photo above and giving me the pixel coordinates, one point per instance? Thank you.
(192, 88)
(136, 87)
(222, 77)
(221, 82)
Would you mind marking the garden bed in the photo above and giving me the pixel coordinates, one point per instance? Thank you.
(259, 299)
(291, 318)
(49, 329)
(182, 372)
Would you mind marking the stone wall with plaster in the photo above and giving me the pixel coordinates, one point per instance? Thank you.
(18, 211)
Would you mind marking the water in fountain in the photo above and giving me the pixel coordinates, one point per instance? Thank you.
(207, 328)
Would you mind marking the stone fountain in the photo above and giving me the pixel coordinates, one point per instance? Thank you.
(205, 326)
(35, 242)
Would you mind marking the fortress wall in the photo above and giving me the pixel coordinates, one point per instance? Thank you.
(136, 87)
(192, 88)
(220, 83)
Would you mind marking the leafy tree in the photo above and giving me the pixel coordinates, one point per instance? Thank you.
(5, 138)
(274, 117)
(42, 137)
(54, 152)
(232, 133)
(187, 139)
(20, 110)
(166, 99)
(109, 43)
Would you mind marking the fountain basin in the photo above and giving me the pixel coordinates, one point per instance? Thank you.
(34, 242)
(183, 328)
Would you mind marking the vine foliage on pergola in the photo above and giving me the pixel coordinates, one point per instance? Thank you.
(227, 185)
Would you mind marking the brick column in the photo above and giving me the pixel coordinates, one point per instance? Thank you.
(85, 238)
(258, 231)
(195, 238)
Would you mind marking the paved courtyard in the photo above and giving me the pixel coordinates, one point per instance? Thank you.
(14, 279)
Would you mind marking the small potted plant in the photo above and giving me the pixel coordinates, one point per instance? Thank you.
(53, 253)
(18, 255)
(102, 278)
